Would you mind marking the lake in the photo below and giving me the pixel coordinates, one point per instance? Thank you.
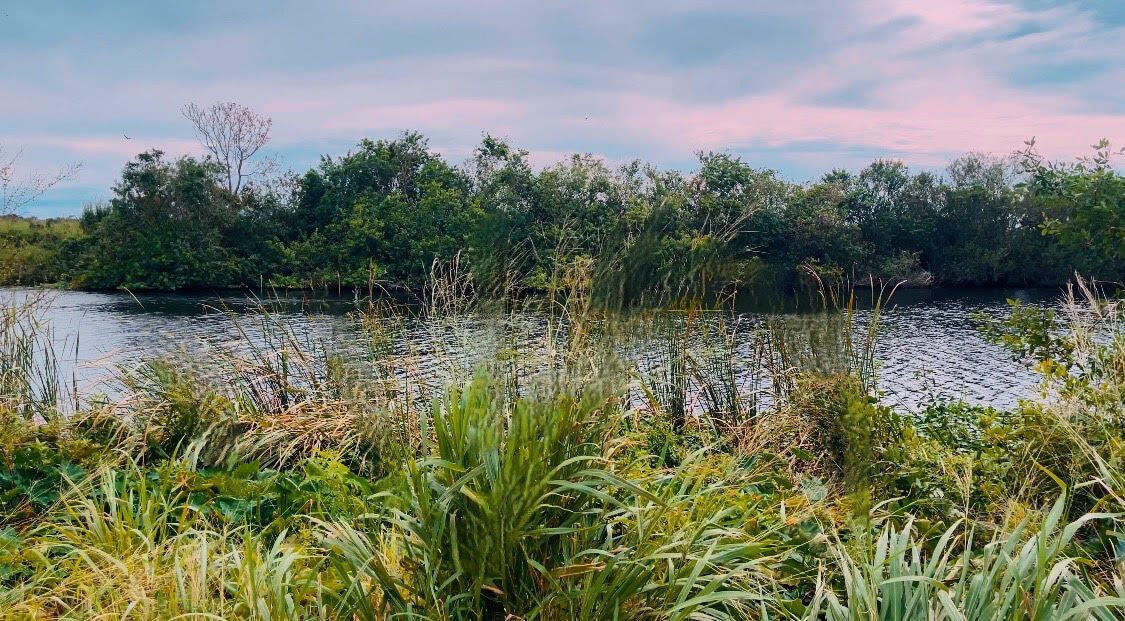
(928, 345)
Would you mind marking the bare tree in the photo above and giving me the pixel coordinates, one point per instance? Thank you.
(233, 134)
(16, 192)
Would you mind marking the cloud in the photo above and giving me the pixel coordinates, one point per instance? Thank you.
(444, 113)
(118, 146)
(795, 86)
(923, 130)
(921, 101)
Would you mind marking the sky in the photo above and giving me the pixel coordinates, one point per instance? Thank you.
(801, 86)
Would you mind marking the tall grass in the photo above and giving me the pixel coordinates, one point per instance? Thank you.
(516, 510)
(124, 546)
(297, 477)
(1022, 574)
(30, 382)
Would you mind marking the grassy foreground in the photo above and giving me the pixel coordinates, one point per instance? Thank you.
(286, 479)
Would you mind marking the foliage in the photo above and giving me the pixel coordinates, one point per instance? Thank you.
(286, 479)
(1081, 356)
(1024, 574)
(169, 226)
(382, 214)
(1084, 207)
(34, 251)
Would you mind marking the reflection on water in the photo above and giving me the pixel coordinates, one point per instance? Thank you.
(927, 344)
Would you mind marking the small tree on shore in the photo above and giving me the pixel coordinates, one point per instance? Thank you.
(233, 134)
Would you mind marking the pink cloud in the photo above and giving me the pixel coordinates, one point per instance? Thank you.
(442, 113)
(926, 127)
(916, 79)
(917, 104)
(945, 18)
(113, 145)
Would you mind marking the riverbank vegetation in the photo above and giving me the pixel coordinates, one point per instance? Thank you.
(32, 250)
(382, 214)
(283, 477)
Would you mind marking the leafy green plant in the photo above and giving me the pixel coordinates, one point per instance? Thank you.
(1024, 574)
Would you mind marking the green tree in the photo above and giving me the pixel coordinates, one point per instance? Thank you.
(389, 206)
(168, 227)
(1083, 204)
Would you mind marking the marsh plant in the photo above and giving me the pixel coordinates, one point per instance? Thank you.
(737, 472)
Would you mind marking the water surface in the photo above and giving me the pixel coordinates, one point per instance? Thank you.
(928, 345)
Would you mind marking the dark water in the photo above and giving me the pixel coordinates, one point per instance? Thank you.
(927, 346)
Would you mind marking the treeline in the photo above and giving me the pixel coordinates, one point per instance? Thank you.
(383, 213)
